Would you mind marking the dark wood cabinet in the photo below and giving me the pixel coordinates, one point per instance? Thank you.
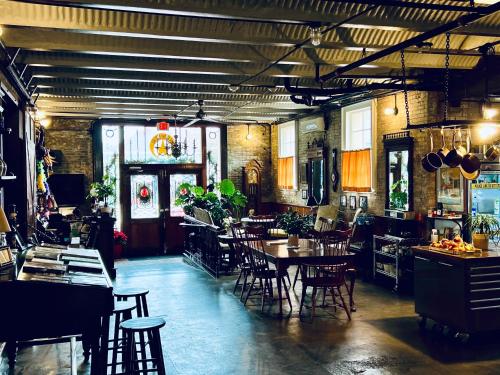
(460, 291)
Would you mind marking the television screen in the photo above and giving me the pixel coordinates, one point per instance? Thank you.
(68, 189)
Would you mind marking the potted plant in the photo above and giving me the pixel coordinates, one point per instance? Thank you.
(102, 191)
(483, 227)
(294, 225)
(120, 241)
(399, 195)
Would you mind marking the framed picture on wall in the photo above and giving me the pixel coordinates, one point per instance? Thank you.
(352, 202)
(343, 201)
(363, 202)
(303, 173)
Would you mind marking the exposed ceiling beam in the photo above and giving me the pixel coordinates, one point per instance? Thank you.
(94, 21)
(260, 11)
(116, 46)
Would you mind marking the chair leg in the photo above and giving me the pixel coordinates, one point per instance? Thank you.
(287, 295)
(237, 282)
(288, 278)
(347, 310)
(264, 288)
(324, 297)
(315, 290)
(304, 290)
(249, 291)
(270, 284)
(332, 290)
(244, 286)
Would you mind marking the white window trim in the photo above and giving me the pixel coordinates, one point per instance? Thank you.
(373, 155)
(295, 151)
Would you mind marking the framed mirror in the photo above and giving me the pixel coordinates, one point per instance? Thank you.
(317, 177)
(399, 171)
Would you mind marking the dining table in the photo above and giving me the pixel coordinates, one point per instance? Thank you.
(307, 252)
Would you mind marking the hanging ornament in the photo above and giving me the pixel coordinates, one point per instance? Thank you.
(144, 194)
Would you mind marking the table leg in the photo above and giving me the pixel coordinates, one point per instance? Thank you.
(72, 346)
(103, 353)
(279, 271)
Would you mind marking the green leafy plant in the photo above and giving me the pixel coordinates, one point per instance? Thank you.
(484, 224)
(224, 201)
(398, 199)
(104, 189)
(295, 224)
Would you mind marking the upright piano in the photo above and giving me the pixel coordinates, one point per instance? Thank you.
(58, 293)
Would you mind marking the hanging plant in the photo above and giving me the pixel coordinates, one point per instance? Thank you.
(144, 194)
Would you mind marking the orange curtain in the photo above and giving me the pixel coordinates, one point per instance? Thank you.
(285, 173)
(356, 170)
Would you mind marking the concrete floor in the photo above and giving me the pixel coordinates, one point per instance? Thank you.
(209, 331)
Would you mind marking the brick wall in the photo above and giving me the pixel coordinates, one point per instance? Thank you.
(424, 107)
(73, 139)
(241, 150)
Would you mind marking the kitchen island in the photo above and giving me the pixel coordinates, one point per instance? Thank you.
(460, 291)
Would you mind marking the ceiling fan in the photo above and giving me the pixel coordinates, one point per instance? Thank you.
(200, 115)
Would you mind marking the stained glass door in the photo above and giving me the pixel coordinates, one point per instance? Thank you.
(151, 217)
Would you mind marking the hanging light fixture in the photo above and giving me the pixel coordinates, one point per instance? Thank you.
(163, 144)
(489, 112)
(315, 35)
(392, 111)
(249, 136)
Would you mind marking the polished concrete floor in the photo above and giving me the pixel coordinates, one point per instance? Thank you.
(209, 331)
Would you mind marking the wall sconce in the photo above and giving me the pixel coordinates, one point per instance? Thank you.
(392, 111)
(489, 112)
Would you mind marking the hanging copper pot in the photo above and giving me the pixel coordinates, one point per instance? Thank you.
(431, 161)
(443, 151)
(455, 156)
(492, 153)
(470, 162)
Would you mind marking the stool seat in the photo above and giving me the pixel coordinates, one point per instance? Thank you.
(123, 306)
(143, 324)
(130, 292)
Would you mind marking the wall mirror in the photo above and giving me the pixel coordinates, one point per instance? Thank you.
(399, 171)
(317, 177)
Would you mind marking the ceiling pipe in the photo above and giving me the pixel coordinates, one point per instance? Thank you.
(304, 91)
(411, 4)
(459, 22)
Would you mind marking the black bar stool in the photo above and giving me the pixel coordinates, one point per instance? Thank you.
(122, 312)
(140, 299)
(151, 326)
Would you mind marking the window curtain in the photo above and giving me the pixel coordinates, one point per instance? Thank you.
(285, 172)
(356, 170)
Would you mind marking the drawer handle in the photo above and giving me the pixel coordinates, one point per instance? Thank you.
(427, 260)
(445, 264)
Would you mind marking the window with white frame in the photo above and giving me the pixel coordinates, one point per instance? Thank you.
(286, 155)
(357, 144)
(357, 126)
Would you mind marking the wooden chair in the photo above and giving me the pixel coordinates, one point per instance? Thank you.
(259, 266)
(241, 259)
(330, 276)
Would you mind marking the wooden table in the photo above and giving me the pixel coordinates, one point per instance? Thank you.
(282, 257)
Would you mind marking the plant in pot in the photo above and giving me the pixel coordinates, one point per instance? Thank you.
(483, 227)
(102, 191)
(398, 197)
(295, 225)
(120, 241)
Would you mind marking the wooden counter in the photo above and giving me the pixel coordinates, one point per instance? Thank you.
(461, 291)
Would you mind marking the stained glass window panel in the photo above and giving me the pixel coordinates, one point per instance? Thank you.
(175, 181)
(144, 197)
(213, 155)
(140, 146)
(111, 163)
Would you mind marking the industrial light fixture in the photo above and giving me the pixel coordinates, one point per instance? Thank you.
(249, 136)
(315, 35)
(233, 88)
(488, 111)
(45, 122)
(392, 111)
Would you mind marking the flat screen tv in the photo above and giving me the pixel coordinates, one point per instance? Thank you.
(68, 189)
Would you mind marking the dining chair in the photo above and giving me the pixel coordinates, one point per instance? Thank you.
(330, 276)
(267, 222)
(259, 266)
(238, 231)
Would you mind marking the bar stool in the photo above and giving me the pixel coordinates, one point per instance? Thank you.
(122, 312)
(151, 326)
(140, 299)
